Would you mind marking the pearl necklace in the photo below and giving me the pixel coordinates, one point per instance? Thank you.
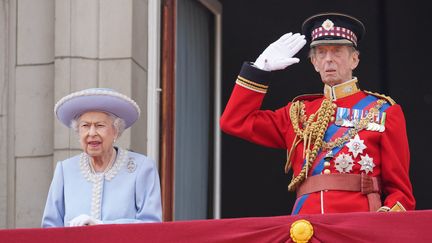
(109, 173)
(97, 179)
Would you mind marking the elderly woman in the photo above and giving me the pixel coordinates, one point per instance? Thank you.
(104, 184)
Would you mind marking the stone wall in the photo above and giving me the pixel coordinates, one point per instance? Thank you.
(49, 48)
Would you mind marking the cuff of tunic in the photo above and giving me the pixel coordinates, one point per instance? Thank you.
(253, 78)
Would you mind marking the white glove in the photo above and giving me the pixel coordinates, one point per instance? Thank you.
(84, 219)
(279, 54)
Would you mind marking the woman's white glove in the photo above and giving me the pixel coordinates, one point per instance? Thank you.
(84, 219)
(279, 54)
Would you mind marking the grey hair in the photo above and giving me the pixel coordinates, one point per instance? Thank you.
(312, 51)
(119, 124)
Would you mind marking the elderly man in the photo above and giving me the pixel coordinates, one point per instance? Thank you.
(347, 147)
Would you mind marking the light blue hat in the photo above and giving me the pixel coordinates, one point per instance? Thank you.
(96, 99)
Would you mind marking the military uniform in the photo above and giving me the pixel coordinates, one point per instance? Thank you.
(374, 158)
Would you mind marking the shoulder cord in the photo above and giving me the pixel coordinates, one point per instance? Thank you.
(313, 132)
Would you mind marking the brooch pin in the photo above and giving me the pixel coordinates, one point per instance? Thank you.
(344, 163)
(356, 145)
(366, 163)
(131, 165)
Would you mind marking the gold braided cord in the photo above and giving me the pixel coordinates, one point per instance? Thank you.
(288, 162)
(312, 134)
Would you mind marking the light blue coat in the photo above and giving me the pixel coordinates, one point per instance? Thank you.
(129, 192)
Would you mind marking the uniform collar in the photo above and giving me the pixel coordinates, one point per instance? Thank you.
(341, 90)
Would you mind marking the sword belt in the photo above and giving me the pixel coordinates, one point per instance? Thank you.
(368, 185)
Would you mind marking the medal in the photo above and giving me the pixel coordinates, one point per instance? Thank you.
(356, 115)
(328, 156)
(347, 123)
(366, 163)
(341, 115)
(344, 163)
(382, 122)
(377, 123)
(356, 145)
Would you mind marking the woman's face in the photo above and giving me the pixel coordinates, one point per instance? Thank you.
(97, 133)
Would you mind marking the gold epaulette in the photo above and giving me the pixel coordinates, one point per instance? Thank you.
(387, 98)
(308, 97)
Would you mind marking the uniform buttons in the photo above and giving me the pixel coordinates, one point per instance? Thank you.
(326, 164)
(326, 171)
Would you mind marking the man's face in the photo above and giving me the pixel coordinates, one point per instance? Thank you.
(335, 63)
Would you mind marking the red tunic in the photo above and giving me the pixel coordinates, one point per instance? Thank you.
(388, 150)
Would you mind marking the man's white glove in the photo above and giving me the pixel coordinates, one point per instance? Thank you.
(84, 219)
(279, 54)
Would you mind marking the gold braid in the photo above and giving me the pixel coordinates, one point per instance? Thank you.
(313, 132)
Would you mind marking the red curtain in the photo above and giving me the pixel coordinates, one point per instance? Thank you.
(414, 226)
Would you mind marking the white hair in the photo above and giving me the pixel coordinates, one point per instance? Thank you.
(119, 124)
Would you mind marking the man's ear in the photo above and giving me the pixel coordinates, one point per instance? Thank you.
(355, 60)
(313, 61)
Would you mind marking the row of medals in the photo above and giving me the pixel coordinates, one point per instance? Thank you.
(347, 117)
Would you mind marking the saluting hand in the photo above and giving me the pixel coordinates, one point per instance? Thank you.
(279, 54)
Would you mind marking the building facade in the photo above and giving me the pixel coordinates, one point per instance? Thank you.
(49, 48)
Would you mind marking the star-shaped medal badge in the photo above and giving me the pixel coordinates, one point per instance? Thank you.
(366, 163)
(344, 163)
(356, 145)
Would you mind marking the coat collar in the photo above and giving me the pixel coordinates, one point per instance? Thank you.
(341, 90)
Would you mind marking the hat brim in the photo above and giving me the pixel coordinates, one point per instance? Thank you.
(342, 42)
(74, 106)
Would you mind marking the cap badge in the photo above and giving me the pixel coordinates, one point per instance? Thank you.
(327, 25)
